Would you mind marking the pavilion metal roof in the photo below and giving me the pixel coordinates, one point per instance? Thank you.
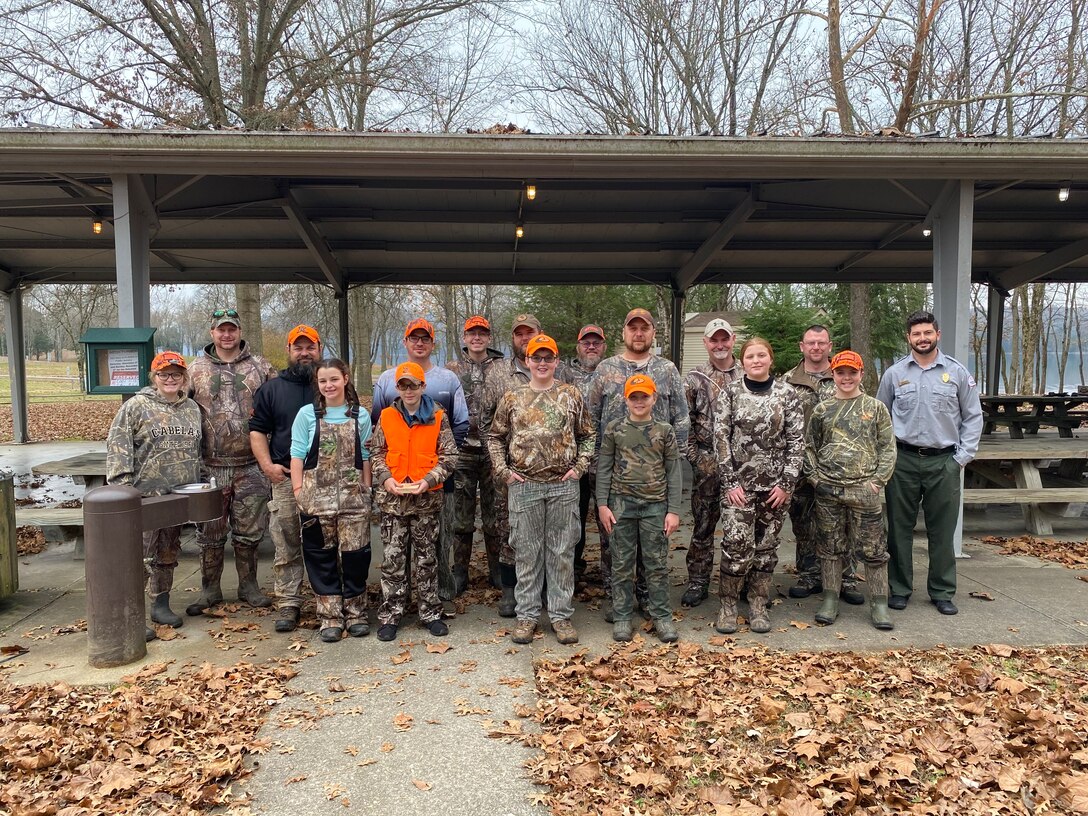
(348, 208)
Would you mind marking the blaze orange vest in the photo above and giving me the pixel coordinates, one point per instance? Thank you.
(411, 453)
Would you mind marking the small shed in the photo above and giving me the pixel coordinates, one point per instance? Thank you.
(694, 323)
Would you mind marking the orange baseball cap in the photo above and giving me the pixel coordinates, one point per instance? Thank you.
(420, 323)
(541, 341)
(302, 330)
(639, 314)
(166, 359)
(410, 371)
(590, 329)
(638, 384)
(849, 359)
(477, 322)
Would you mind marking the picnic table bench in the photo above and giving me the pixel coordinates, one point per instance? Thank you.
(87, 469)
(1018, 471)
(1027, 413)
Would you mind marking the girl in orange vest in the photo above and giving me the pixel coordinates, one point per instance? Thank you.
(413, 453)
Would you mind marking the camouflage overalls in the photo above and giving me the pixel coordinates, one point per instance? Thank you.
(812, 389)
(606, 403)
(224, 391)
(640, 481)
(410, 527)
(334, 515)
(760, 444)
(702, 386)
(473, 475)
(154, 445)
(850, 446)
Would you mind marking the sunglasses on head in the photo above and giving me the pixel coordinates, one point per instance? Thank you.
(225, 313)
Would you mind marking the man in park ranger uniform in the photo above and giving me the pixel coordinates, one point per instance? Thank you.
(937, 418)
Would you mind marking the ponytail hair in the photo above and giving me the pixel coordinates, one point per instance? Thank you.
(351, 396)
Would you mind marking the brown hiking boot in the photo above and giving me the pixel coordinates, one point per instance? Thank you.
(565, 632)
(524, 632)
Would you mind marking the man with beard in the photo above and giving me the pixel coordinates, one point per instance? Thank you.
(503, 376)
(702, 386)
(590, 351)
(937, 419)
(444, 387)
(275, 406)
(222, 382)
(812, 380)
(473, 474)
(606, 403)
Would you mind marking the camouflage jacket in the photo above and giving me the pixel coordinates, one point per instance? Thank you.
(811, 388)
(154, 445)
(759, 437)
(540, 434)
(472, 374)
(640, 459)
(606, 402)
(424, 503)
(850, 441)
(702, 385)
(579, 375)
(224, 392)
(502, 376)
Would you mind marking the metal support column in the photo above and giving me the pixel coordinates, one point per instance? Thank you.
(17, 364)
(953, 225)
(676, 326)
(134, 221)
(342, 313)
(995, 330)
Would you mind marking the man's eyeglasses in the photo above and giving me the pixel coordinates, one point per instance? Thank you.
(165, 375)
(591, 343)
(419, 338)
(225, 313)
(541, 358)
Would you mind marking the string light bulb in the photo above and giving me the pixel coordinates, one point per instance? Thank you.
(96, 226)
(530, 192)
(1063, 192)
(519, 231)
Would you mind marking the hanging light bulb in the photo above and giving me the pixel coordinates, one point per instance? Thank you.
(96, 226)
(530, 192)
(519, 231)
(1063, 192)
(926, 232)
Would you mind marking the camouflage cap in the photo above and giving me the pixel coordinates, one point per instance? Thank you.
(638, 384)
(221, 316)
(420, 323)
(525, 320)
(639, 314)
(847, 359)
(410, 371)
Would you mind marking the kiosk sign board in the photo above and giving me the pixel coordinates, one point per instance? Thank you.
(118, 359)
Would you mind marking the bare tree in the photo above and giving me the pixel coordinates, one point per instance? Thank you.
(75, 308)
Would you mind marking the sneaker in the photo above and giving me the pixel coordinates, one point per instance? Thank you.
(803, 590)
(621, 631)
(387, 631)
(565, 632)
(666, 631)
(438, 628)
(288, 619)
(694, 596)
(524, 631)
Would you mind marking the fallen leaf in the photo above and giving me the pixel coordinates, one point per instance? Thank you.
(800, 625)
(982, 596)
(438, 648)
(403, 657)
(423, 786)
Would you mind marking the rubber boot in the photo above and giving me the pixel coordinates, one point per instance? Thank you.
(877, 579)
(759, 596)
(493, 573)
(832, 579)
(462, 554)
(460, 579)
(729, 593)
(211, 571)
(162, 613)
(507, 604)
(245, 561)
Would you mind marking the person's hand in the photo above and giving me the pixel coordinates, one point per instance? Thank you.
(569, 475)
(391, 485)
(275, 473)
(778, 497)
(737, 497)
(672, 523)
(514, 478)
(605, 518)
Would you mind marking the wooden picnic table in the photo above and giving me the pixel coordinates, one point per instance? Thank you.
(87, 469)
(1026, 413)
(1018, 471)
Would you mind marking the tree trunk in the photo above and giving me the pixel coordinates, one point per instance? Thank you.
(837, 68)
(247, 297)
(360, 342)
(861, 332)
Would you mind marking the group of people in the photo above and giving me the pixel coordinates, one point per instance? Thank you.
(538, 442)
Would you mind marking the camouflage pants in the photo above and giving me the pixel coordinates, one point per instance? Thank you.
(639, 531)
(502, 520)
(750, 535)
(336, 551)
(706, 508)
(544, 530)
(403, 536)
(851, 524)
(587, 503)
(473, 478)
(283, 526)
(245, 515)
(161, 548)
(806, 535)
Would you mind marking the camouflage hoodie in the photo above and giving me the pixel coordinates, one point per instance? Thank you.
(153, 444)
(224, 392)
(472, 375)
(759, 437)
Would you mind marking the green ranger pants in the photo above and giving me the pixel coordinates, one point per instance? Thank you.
(932, 482)
(639, 525)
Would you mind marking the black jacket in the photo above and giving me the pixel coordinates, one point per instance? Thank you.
(275, 406)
